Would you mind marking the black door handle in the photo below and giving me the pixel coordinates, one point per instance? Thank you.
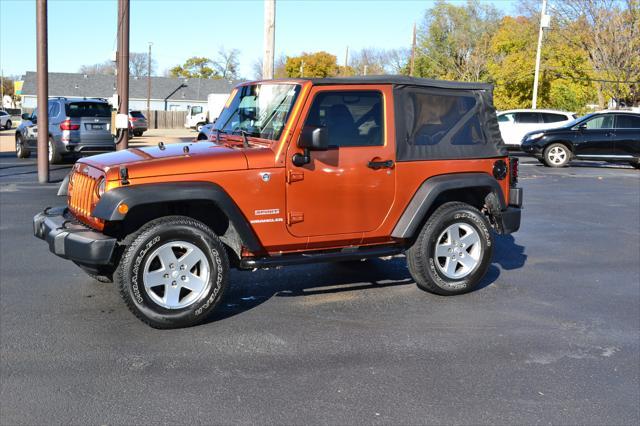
(380, 164)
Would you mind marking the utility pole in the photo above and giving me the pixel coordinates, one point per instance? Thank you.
(43, 91)
(346, 61)
(269, 38)
(544, 23)
(123, 75)
(413, 52)
(149, 83)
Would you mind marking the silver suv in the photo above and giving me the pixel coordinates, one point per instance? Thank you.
(77, 126)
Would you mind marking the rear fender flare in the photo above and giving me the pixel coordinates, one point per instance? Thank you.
(413, 216)
(139, 195)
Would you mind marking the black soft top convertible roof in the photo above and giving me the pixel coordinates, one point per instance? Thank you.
(400, 80)
(437, 119)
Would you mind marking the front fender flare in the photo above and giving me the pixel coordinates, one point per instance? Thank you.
(414, 215)
(138, 195)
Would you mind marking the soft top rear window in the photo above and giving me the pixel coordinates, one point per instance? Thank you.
(136, 114)
(88, 109)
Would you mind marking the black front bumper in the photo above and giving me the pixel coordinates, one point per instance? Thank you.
(72, 240)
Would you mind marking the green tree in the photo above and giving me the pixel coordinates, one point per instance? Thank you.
(609, 32)
(453, 41)
(564, 79)
(195, 67)
(319, 64)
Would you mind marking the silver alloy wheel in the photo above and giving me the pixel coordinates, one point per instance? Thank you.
(176, 274)
(458, 251)
(19, 146)
(50, 148)
(557, 155)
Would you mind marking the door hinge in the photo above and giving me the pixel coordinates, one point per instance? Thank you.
(294, 176)
(295, 217)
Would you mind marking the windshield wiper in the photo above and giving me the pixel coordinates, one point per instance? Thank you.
(244, 133)
(218, 131)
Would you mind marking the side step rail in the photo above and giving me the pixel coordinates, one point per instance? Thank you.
(306, 258)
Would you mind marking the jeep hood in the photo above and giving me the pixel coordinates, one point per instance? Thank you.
(201, 157)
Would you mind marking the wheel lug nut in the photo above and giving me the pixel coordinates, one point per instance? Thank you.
(450, 250)
(183, 278)
(172, 266)
(173, 283)
(182, 267)
(166, 275)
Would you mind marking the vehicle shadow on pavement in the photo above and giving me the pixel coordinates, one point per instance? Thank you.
(325, 279)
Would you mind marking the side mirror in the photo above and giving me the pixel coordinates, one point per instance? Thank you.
(314, 138)
(582, 126)
(311, 139)
(26, 116)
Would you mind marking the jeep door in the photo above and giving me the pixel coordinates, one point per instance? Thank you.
(350, 187)
(595, 137)
(627, 135)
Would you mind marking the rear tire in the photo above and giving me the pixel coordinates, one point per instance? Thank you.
(137, 134)
(453, 250)
(173, 272)
(557, 155)
(635, 164)
(21, 150)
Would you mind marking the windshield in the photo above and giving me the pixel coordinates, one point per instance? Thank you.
(260, 110)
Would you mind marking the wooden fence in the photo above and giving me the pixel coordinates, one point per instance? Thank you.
(166, 119)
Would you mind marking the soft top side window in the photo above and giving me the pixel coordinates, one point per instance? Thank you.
(352, 118)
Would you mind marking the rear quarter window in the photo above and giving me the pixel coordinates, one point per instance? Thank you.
(527, 117)
(136, 114)
(553, 118)
(88, 109)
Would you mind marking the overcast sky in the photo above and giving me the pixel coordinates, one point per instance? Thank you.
(84, 32)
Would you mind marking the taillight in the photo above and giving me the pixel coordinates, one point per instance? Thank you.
(68, 125)
(513, 167)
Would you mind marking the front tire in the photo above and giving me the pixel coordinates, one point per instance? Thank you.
(55, 157)
(453, 251)
(557, 155)
(173, 273)
(21, 150)
(635, 164)
(7, 125)
(199, 127)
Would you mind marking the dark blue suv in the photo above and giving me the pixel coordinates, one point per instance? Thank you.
(77, 126)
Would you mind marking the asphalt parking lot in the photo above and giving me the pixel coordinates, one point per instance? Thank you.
(552, 335)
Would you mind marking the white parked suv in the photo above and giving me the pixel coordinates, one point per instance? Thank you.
(515, 123)
(5, 120)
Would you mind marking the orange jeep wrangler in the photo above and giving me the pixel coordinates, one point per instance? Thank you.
(296, 171)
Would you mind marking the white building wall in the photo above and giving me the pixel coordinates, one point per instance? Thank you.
(30, 101)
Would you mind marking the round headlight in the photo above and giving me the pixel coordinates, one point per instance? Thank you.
(100, 187)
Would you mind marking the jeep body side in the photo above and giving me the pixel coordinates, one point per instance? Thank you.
(315, 175)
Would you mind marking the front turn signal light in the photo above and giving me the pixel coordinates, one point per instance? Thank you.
(123, 208)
